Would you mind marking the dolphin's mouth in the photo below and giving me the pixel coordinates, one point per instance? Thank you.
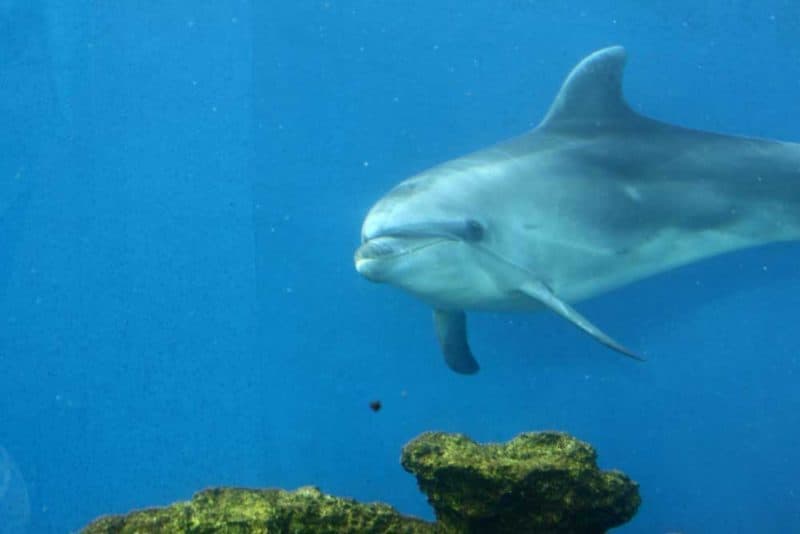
(390, 246)
(390, 243)
(469, 230)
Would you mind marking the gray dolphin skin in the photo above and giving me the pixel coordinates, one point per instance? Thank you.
(594, 198)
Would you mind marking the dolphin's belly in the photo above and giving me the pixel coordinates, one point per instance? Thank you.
(477, 296)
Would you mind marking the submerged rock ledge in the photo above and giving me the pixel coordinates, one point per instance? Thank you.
(537, 482)
(266, 511)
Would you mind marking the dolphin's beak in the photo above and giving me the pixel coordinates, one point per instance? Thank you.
(376, 248)
(369, 255)
(372, 256)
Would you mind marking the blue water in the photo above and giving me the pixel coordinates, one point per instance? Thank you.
(181, 191)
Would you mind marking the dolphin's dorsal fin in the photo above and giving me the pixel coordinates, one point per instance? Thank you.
(591, 96)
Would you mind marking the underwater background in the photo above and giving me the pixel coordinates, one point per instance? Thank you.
(181, 191)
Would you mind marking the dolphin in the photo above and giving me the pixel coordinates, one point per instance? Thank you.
(595, 197)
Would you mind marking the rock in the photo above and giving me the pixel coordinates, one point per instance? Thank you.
(271, 511)
(542, 482)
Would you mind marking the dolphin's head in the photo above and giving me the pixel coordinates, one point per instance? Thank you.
(420, 240)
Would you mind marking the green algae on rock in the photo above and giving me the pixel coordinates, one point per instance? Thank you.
(537, 482)
(271, 511)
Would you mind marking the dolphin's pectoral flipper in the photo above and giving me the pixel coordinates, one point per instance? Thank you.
(544, 295)
(451, 329)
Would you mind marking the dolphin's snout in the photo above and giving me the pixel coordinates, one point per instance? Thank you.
(375, 248)
(379, 256)
(367, 256)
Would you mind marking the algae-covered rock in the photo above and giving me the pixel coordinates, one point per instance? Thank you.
(543, 482)
(271, 511)
(546, 482)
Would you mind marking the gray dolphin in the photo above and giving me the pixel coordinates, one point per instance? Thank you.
(595, 197)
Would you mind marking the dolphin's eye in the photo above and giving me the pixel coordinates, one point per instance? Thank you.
(473, 230)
